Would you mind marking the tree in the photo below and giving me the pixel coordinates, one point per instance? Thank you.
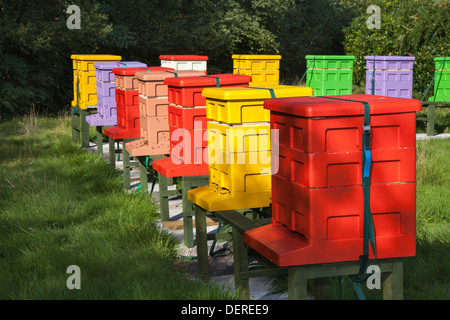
(418, 28)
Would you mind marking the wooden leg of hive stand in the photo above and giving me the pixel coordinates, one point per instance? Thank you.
(188, 213)
(240, 257)
(163, 197)
(143, 174)
(202, 243)
(84, 128)
(393, 283)
(297, 283)
(112, 152)
(100, 141)
(75, 123)
(189, 183)
(126, 165)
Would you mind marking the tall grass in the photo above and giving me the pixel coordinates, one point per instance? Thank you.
(61, 206)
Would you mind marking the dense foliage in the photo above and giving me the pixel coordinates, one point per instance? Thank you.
(35, 43)
(416, 28)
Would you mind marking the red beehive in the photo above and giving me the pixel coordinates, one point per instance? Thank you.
(187, 112)
(127, 100)
(125, 77)
(153, 111)
(185, 118)
(317, 193)
(187, 92)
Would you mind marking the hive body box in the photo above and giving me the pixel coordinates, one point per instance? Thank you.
(187, 112)
(330, 75)
(239, 147)
(153, 112)
(392, 76)
(106, 94)
(127, 101)
(317, 195)
(264, 69)
(184, 62)
(84, 75)
(441, 80)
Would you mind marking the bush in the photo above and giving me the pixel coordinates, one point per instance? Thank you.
(418, 28)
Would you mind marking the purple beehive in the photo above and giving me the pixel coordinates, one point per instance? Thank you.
(106, 95)
(392, 75)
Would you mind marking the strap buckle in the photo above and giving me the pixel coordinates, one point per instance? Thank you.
(367, 128)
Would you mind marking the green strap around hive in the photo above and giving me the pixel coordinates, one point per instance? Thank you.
(304, 74)
(217, 80)
(176, 74)
(75, 108)
(272, 92)
(373, 77)
(435, 74)
(369, 231)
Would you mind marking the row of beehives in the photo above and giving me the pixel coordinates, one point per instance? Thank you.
(313, 181)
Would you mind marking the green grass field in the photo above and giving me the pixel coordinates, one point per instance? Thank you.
(62, 206)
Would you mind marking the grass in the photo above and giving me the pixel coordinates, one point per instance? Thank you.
(442, 120)
(61, 206)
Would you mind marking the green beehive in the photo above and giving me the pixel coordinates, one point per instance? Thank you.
(330, 75)
(441, 80)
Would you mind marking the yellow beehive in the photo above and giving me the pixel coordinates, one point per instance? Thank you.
(251, 137)
(85, 62)
(239, 147)
(241, 177)
(261, 77)
(87, 88)
(245, 104)
(264, 69)
(256, 61)
(84, 79)
(214, 197)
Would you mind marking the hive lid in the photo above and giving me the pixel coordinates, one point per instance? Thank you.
(132, 71)
(439, 60)
(183, 57)
(95, 57)
(260, 92)
(332, 57)
(161, 75)
(120, 64)
(208, 80)
(325, 107)
(256, 56)
(390, 58)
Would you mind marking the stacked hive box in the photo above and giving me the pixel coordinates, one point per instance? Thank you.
(84, 78)
(127, 101)
(239, 147)
(106, 92)
(184, 62)
(441, 80)
(318, 202)
(264, 69)
(330, 75)
(188, 122)
(153, 112)
(390, 76)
